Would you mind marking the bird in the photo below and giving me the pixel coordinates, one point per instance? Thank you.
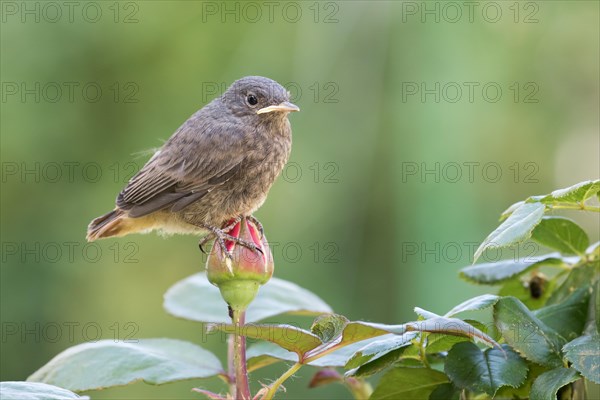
(216, 169)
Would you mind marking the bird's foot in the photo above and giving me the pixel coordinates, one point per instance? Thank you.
(256, 222)
(226, 237)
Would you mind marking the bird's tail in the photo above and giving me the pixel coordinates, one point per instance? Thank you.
(109, 224)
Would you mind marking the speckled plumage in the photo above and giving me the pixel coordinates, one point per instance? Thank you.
(219, 165)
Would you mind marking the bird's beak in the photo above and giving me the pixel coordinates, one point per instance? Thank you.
(286, 106)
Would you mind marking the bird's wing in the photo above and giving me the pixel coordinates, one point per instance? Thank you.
(191, 164)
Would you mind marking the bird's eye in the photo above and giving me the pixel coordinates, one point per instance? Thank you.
(252, 100)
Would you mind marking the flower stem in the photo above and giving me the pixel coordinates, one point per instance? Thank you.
(231, 365)
(275, 385)
(242, 389)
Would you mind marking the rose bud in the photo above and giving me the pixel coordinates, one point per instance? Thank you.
(239, 274)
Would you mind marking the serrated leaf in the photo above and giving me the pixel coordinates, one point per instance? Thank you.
(546, 386)
(425, 314)
(291, 338)
(584, 354)
(496, 272)
(578, 277)
(515, 229)
(106, 363)
(575, 194)
(195, 298)
(484, 371)
(507, 213)
(445, 391)
(568, 317)
(437, 343)
(309, 347)
(408, 383)
(379, 364)
(35, 391)
(451, 326)
(522, 392)
(561, 234)
(265, 353)
(379, 348)
(525, 333)
(354, 332)
(474, 304)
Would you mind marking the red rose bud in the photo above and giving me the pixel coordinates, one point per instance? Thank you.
(238, 277)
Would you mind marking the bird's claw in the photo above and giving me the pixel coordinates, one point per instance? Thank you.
(257, 223)
(221, 235)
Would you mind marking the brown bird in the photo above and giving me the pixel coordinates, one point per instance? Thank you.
(215, 169)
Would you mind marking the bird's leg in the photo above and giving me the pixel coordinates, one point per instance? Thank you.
(209, 237)
(218, 236)
(222, 235)
(231, 223)
(256, 222)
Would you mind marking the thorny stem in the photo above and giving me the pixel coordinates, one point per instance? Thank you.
(242, 389)
(275, 385)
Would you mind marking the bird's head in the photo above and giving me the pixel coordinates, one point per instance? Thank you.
(258, 98)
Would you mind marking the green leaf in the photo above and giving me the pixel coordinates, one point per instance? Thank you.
(196, 299)
(525, 333)
(329, 326)
(445, 391)
(35, 391)
(484, 371)
(567, 318)
(291, 338)
(515, 229)
(579, 276)
(474, 304)
(495, 272)
(437, 343)
(265, 353)
(546, 386)
(379, 364)
(584, 354)
(424, 313)
(408, 383)
(354, 332)
(107, 363)
(507, 213)
(522, 392)
(561, 234)
(451, 326)
(379, 348)
(309, 346)
(575, 194)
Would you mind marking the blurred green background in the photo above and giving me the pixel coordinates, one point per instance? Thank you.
(397, 169)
